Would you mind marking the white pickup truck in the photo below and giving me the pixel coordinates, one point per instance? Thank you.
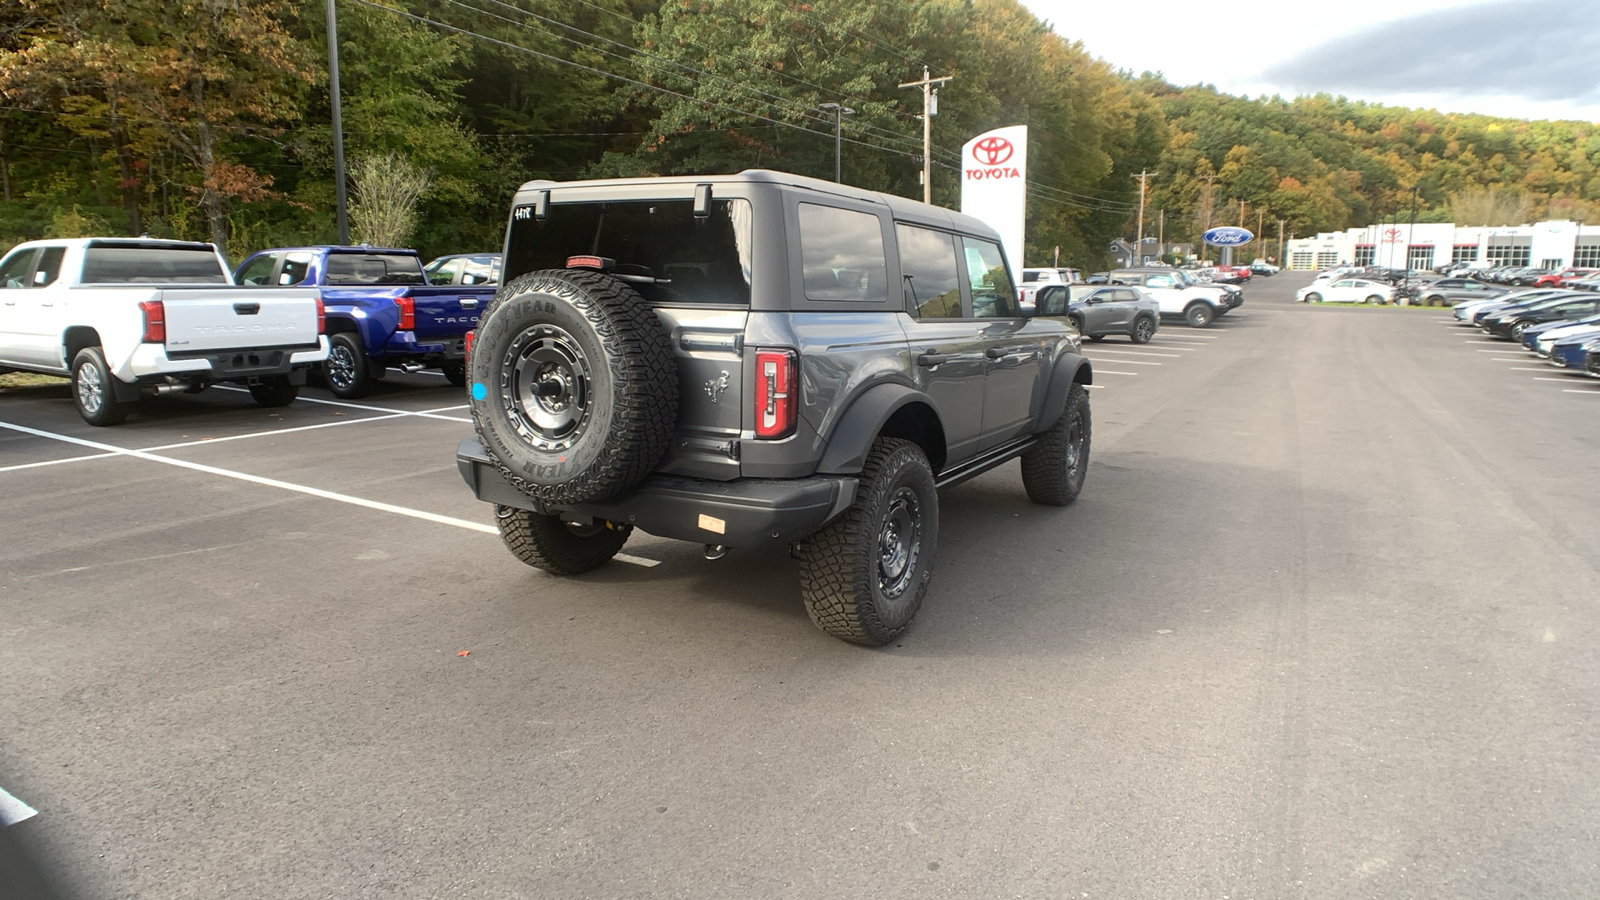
(122, 316)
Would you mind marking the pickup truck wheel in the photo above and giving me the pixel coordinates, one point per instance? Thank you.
(557, 547)
(1143, 330)
(1053, 471)
(275, 391)
(346, 369)
(1198, 315)
(93, 390)
(456, 374)
(574, 386)
(863, 576)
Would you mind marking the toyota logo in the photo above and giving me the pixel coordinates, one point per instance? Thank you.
(992, 151)
(1392, 236)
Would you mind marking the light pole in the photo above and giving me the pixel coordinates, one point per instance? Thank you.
(839, 112)
(338, 126)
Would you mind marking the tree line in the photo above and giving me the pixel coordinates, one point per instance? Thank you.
(210, 119)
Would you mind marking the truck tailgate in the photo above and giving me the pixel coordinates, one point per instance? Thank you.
(447, 313)
(239, 318)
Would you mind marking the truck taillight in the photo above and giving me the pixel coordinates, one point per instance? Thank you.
(155, 321)
(775, 400)
(322, 317)
(466, 352)
(408, 312)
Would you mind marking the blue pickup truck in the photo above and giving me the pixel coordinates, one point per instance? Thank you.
(381, 310)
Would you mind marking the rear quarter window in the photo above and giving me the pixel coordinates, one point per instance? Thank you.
(842, 255)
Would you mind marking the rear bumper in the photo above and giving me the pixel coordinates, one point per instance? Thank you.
(151, 362)
(404, 344)
(749, 512)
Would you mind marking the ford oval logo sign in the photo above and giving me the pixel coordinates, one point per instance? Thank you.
(1227, 236)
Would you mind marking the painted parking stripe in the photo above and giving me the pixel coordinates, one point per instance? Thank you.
(257, 479)
(13, 810)
(363, 406)
(1593, 392)
(1565, 379)
(1095, 387)
(1131, 362)
(275, 431)
(1518, 352)
(1109, 372)
(57, 462)
(1132, 353)
(1531, 368)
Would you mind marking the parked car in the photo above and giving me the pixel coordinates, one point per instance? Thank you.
(1510, 322)
(815, 400)
(1563, 277)
(1034, 279)
(1179, 296)
(1571, 353)
(1346, 290)
(1539, 338)
(123, 317)
(1469, 311)
(1449, 291)
(470, 269)
(1591, 362)
(1262, 267)
(1100, 311)
(381, 311)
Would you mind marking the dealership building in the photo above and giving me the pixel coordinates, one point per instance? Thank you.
(1424, 245)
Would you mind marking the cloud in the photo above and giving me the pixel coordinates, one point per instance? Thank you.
(1537, 50)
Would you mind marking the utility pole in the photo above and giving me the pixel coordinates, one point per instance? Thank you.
(1577, 239)
(1409, 229)
(1241, 212)
(1207, 223)
(1161, 232)
(839, 112)
(929, 110)
(339, 198)
(1261, 212)
(1139, 243)
(1280, 244)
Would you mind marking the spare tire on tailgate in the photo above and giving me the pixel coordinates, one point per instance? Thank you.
(574, 386)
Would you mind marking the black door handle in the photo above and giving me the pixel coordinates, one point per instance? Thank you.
(994, 353)
(247, 309)
(930, 359)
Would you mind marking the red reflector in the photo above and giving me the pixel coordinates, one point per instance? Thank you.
(408, 312)
(322, 317)
(155, 321)
(775, 400)
(588, 262)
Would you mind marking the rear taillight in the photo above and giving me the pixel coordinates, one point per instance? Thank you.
(155, 321)
(322, 317)
(466, 352)
(775, 400)
(408, 312)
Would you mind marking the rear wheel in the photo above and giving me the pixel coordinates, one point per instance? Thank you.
(863, 576)
(275, 391)
(346, 369)
(1377, 300)
(455, 373)
(1143, 330)
(1198, 315)
(1054, 470)
(94, 390)
(557, 547)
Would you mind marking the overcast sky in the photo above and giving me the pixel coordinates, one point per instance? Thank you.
(1532, 59)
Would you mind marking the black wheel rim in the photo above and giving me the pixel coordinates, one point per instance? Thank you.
(899, 543)
(1142, 330)
(1074, 449)
(91, 393)
(341, 366)
(547, 386)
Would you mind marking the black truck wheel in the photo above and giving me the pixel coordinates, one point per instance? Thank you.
(94, 389)
(557, 547)
(573, 385)
(274, 392)
(1053, 471)
(863, 576)
(1198, 315)
(347, 370)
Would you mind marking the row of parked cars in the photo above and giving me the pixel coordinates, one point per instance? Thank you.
(1521, 276)
(1380, 285)
(1131, 301)
(123, 317)
(1559, 325)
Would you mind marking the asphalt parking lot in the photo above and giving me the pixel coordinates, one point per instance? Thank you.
(1323, 624)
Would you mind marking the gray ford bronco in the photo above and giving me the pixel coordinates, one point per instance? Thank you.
(758, 359)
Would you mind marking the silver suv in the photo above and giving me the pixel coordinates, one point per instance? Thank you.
(761, 359)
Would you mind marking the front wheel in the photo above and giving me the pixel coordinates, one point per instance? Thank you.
(557, 547)
(274, 392)
(1054, 470)
(864, 575)
(1377, 300)
(1313, 297)
(1198, 315)
(1143, 330)
(1517, 329)
(346, 369)
(94, 390)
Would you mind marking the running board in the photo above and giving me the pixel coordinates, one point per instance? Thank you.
(985, 461)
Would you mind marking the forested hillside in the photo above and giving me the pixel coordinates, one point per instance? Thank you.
(210, 119)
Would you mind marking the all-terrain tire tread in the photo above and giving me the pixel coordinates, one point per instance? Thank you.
(1044, 468)
(545, 543)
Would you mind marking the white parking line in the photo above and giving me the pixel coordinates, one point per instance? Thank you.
(1132, 362)
(1592, 393)
(1095, 387)
(369, 408)
(13, 810)
(1109, 372)
(1132, 353)
(270, 482)
(1529, 369)
(1166, 341)
(57, 462)
(1518, 352)
(1565, 379)
(256, 434)
(1189, 337)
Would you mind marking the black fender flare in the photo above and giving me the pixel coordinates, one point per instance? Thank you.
(852, 437)
(1071, 368)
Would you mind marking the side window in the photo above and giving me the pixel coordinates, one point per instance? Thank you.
(258, 271)
(842, 255)
(14, 269)
(478, 270)
(443, 271)
(928, 264)
(295, 268)
(992, 296)
(1124, 296)
(1159, 281)
(49, 267)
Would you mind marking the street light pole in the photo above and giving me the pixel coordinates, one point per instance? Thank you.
(340, 200)
(839, 112)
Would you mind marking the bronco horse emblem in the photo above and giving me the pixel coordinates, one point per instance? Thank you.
(717, 385)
